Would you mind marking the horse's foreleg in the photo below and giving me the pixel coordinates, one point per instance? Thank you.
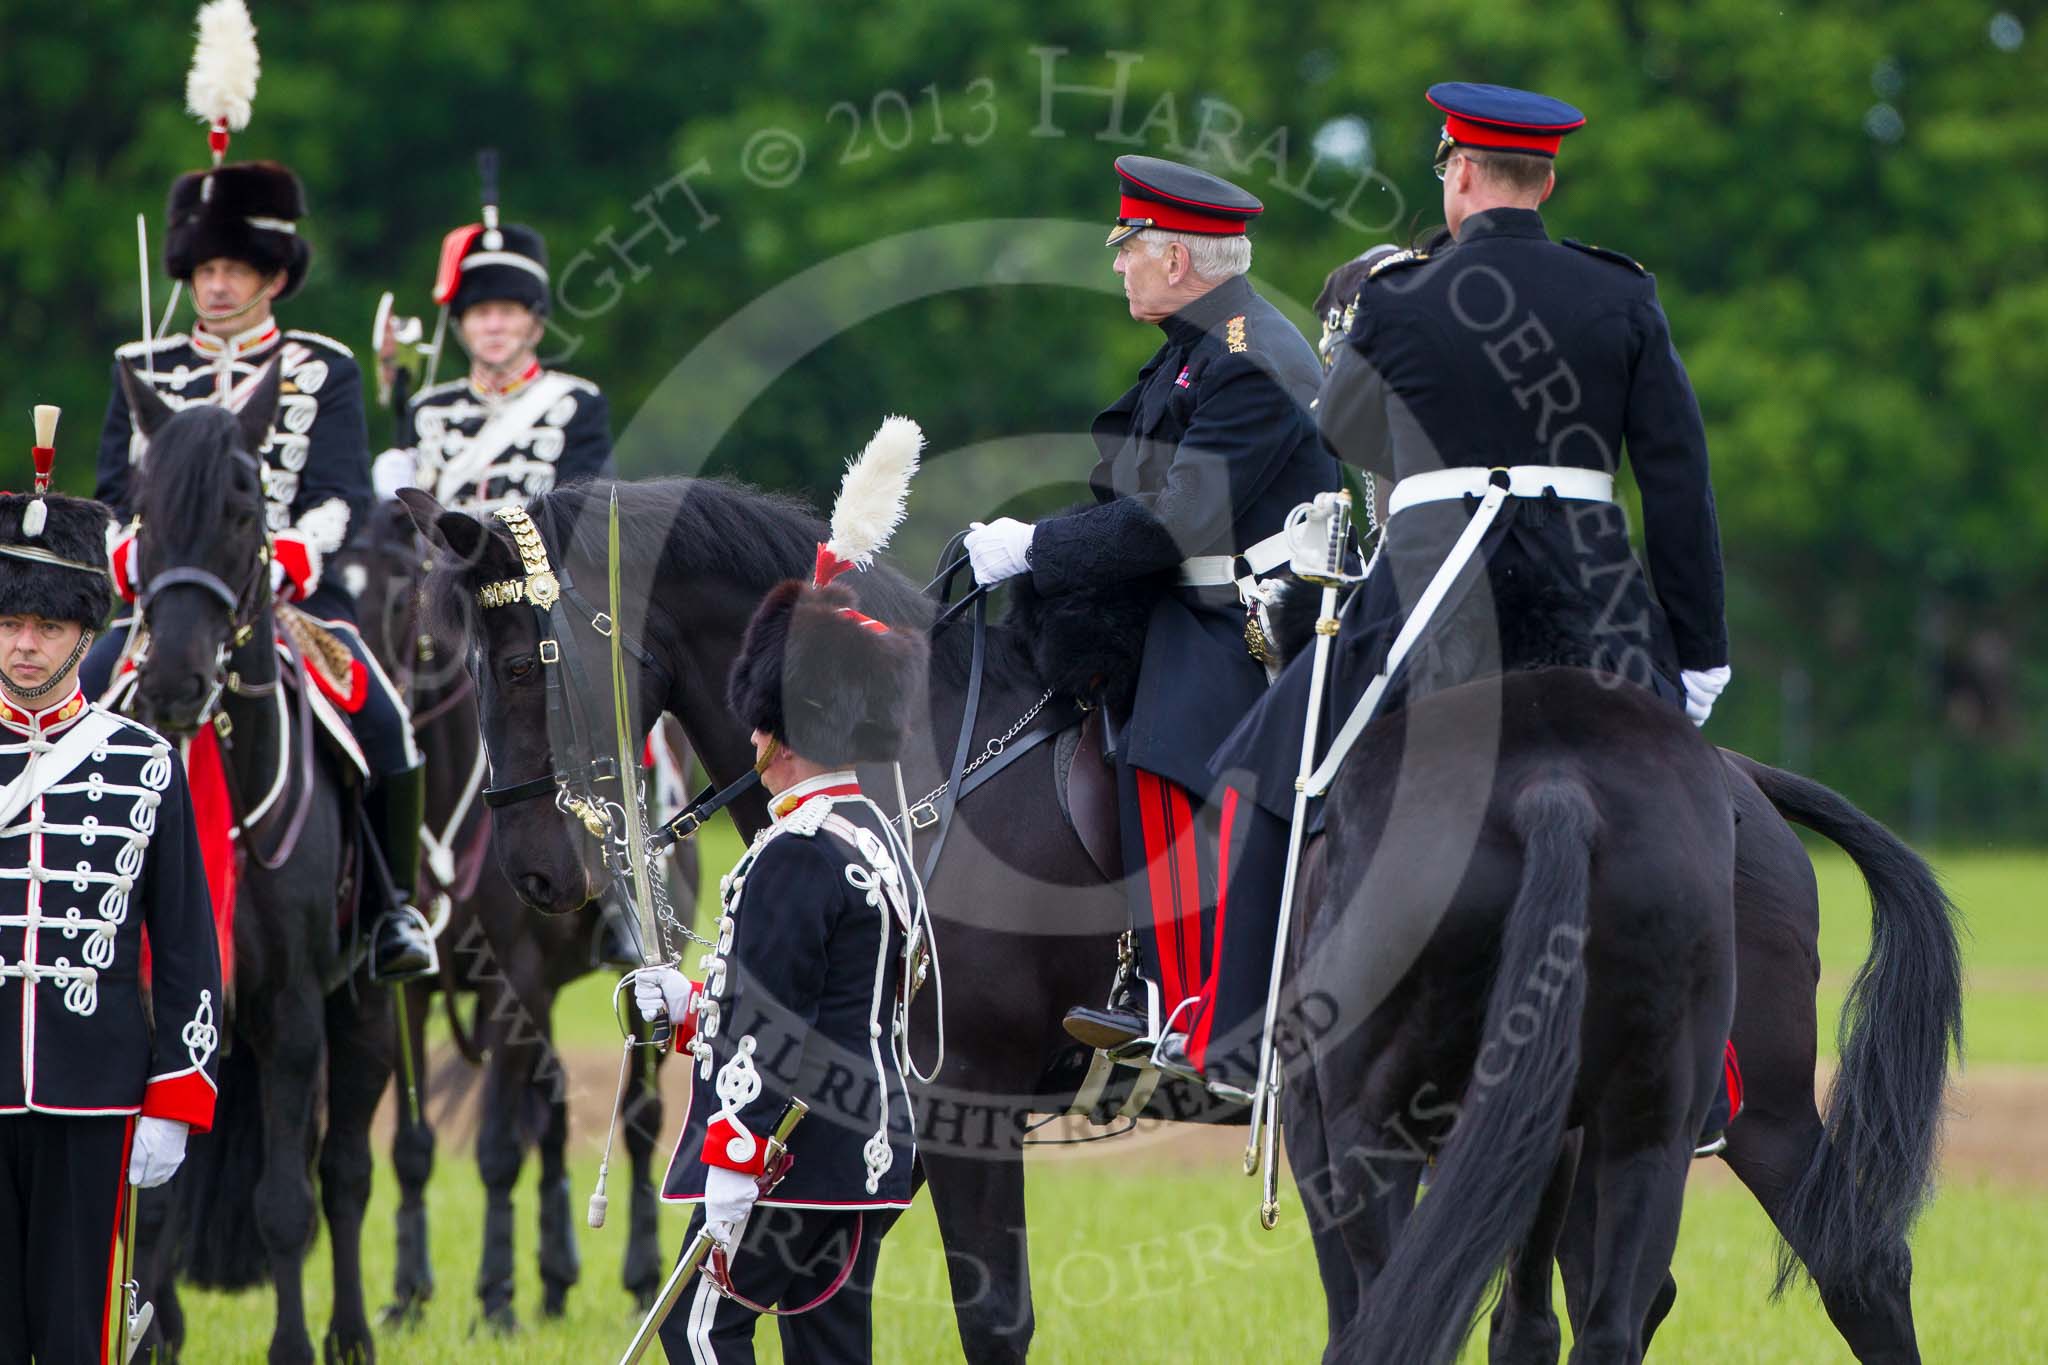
(285, 1212)
(979, 1200)
(561, 1265)
(641, 1118)
(412, 1158)
(361, 1037)
(499, 1152)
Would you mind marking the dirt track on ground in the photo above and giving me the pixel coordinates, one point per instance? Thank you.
(1997, 1129)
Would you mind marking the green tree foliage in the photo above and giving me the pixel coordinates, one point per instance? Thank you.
(1844, 205)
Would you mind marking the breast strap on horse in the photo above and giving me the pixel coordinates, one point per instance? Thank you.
(1493, 487)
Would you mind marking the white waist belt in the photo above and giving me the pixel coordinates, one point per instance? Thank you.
(1216, 571)
(1524, 481)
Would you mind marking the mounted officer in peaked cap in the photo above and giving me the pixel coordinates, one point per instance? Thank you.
(510, 430)
(232, 240)
(1497, 359)
(96, 846)
(1199, 464)
(805, 995)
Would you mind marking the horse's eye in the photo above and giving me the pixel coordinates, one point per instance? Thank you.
(520, 669)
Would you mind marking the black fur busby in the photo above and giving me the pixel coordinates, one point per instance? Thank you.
(827, 683)
(232, 218)
(487, 280)
(74, 530)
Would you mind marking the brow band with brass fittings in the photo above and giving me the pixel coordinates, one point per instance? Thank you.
(540, 586)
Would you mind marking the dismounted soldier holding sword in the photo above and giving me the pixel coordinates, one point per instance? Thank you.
(804, 997)
(1200, 463)
(98, 1088)
(232, 238)
(1497, 357)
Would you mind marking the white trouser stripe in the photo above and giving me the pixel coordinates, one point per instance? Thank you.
(703, 1308)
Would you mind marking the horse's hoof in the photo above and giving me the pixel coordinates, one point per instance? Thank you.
(403, 1314)
(501, 1321)
(554, 1300)
(334, 1350)
(644, 1297)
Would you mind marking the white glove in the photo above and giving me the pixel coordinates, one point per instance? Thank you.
(1702, 689)
(276, 576)
(661, 990)
(728, 1198)
(157, 1151)
(1000, 549)
(393, 470)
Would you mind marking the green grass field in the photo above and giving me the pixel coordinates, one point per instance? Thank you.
(1168, 1263)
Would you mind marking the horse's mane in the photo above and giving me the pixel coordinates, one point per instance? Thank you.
(186, 480)
(718, 528)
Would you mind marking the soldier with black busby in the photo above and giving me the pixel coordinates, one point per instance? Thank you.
(232, 238)
(804, 996)
(100, 1080)
(510, 429)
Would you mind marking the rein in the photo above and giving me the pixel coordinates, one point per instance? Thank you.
(301, 722)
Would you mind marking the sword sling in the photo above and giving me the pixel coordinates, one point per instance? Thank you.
(1266, 1093)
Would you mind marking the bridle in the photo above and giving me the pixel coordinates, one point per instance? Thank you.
(552, 595)
(244, 605)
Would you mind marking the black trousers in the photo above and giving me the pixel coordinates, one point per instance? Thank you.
(61, 1185)
(787, 1257)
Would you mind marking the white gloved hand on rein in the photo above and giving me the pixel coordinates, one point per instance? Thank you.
(394, 469)
(156, 1151)
(999, 549)
(1703, 687)
(728, 1198)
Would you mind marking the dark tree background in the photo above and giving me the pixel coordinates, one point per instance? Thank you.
(1846, 206)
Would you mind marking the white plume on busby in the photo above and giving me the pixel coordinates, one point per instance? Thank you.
(834, 684)
(220, 89)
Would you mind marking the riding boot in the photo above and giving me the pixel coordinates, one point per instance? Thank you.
(401, 944)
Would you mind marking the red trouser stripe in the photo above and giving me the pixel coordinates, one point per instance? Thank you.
(1733, 1071)
(1198, 1041)
(1187, 888)
(1155, 816)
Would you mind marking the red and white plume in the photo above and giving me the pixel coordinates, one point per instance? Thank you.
(222, 83)
(43, 455)
(870, 505)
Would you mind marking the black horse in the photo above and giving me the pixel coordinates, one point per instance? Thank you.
(1527, 926)
(511, 962)
(243, 1206)
(1028, 920)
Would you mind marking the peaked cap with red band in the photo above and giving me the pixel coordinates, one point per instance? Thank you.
(1496, 118)
(1165, 194)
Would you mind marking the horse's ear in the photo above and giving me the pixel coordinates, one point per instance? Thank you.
(145, 404)
(259, 414)
(458, 535)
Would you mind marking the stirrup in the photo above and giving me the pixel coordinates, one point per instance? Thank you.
(1170, 1058)
(402, 932)
(1145, 1043)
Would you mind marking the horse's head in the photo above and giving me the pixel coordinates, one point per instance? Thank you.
(384, 569)
(203, 554)
(543, 782)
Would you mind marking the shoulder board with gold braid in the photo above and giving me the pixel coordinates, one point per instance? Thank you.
(1606, 254)
(1397, 261)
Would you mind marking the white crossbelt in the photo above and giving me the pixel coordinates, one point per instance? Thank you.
(1216, 571)
(1521, 481)
(1524, 481)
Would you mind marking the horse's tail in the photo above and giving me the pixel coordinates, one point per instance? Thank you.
(1493, 1169)
(216, 1202)
(1869, 1178)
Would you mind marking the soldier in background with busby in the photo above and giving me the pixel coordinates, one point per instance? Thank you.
(98, 1089)
(232, 238)
(509, 430)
